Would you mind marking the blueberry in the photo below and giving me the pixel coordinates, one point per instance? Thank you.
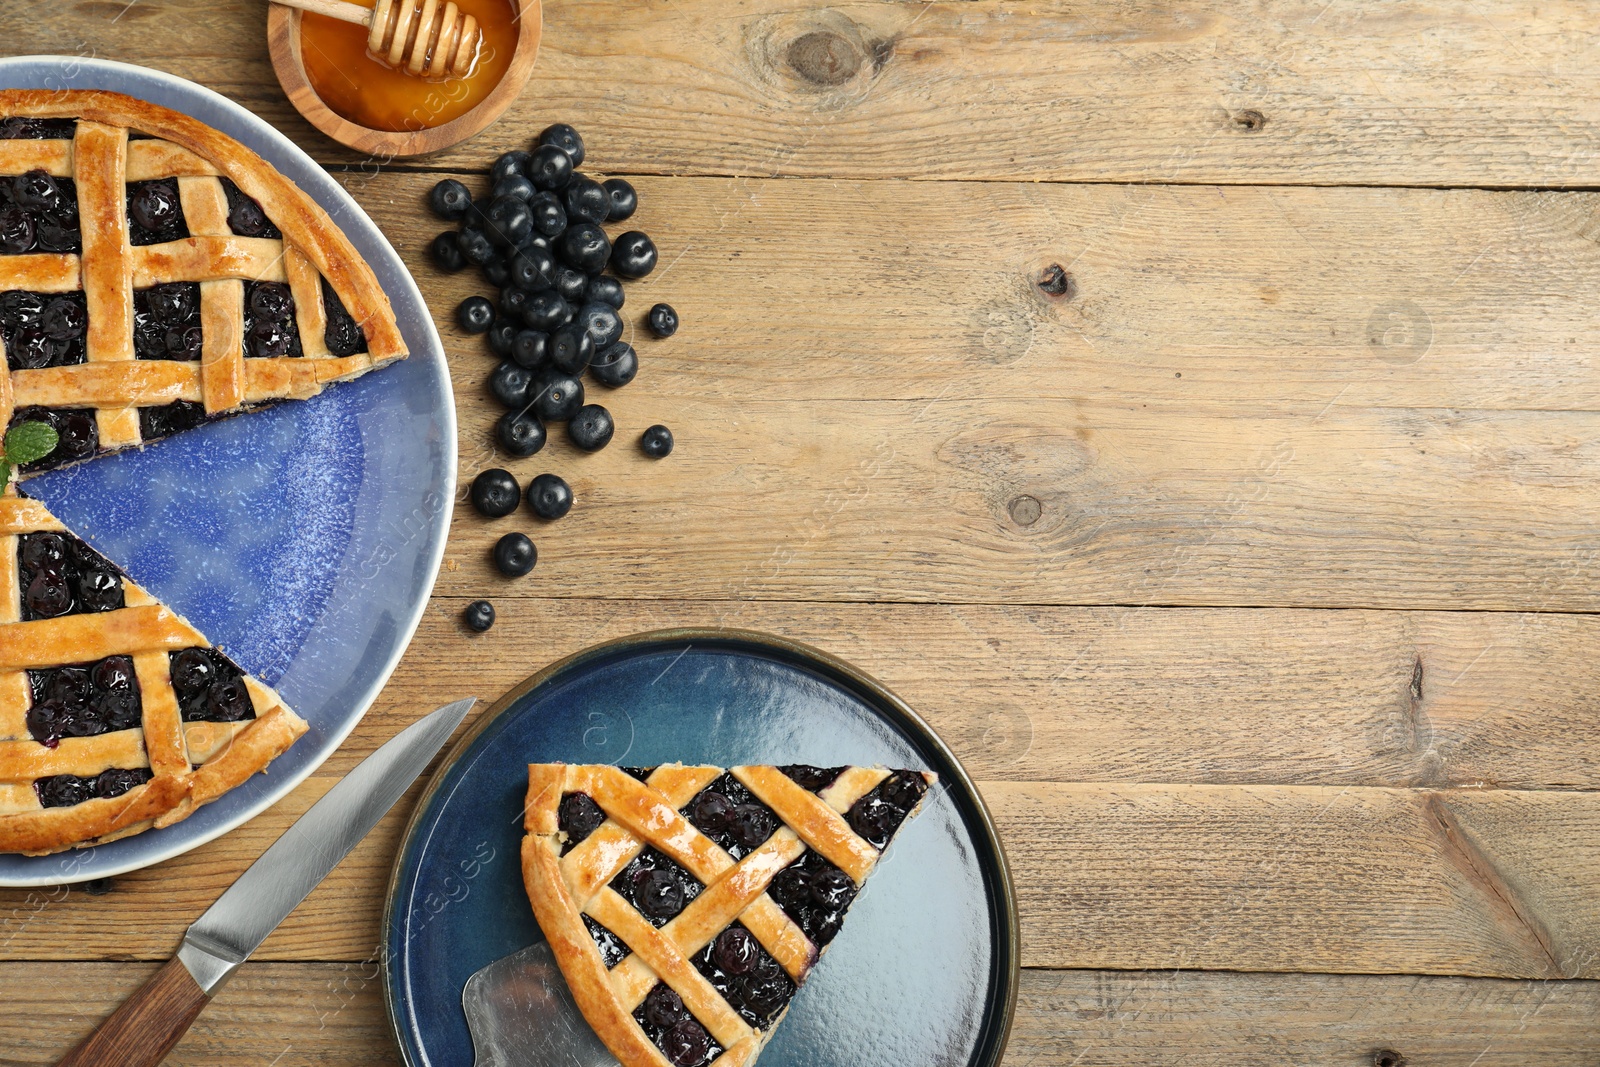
(571, 349)
(514, 555)
(734, 951)
(658, 893)
(750, 825)
(558, 397)
(502, 335)
(587, 200)
(191, 671)
(476, 216)
(530, 348)
(570, 284)
(478, 615)
(604, 289)
(875, 820)
(615, 366)
(449, 199)
(510, 165)
(550, 167)
(591, 428)
(710, 812)
(578, 816)
(508, 221)
(16, 231)
(624, 201)
(515, 185)
(832, 888)
(520, 433)
(601, 322)
(494, 493)
(656, 442)
(565, 138)
(549, 496)
(549, 214)
(476, 248)
(662, 1007)
(510, 385)
(475, 314)
(663, 321)
(685, 1044)
(586, 247)
(497, 272)
(512, 301)
(532, 268)
(545, 310)
(634, 255)
(155, 206)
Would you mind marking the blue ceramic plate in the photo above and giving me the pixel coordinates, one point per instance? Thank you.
(303, 539)
(924, 972)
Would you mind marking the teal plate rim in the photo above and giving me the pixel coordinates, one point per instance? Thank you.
(1005, 929)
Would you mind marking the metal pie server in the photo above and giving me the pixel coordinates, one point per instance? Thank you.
(145, 1028)
(520, 1011)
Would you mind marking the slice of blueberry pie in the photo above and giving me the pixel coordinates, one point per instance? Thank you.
(115, 714)
(155, 273)
(687, 905)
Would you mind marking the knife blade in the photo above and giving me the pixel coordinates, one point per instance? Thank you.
(145, 1028)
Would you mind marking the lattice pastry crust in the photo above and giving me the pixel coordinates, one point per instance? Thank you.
(182, 764)
(577, 871)
(101, 159)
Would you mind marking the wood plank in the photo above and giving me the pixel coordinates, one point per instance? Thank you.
(1057, 470)
(1262, 91)
(1494, 883)
(1281, 878)
(331, 1013)
(1221, 696)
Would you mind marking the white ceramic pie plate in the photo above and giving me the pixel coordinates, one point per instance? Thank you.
(303, 539)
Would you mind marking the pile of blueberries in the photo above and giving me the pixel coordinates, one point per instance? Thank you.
(538, 239)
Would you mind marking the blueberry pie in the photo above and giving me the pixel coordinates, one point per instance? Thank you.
(115, 714)
(154, 274)
(687, 905)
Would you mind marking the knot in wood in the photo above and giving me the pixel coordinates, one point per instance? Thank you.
(1388, 1057)
(1056, 281)
(1025, 510)
(1249, 120)
(823, 57)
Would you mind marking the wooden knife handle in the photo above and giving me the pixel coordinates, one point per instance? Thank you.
(149, 1023)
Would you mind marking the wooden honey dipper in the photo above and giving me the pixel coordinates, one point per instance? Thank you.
(441, 38)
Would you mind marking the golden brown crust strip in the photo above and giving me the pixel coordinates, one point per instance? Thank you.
(253, 748)
(84, 756)
(19, 515)
(818, 825)
(44, 272)
(155, 158)
(163, 723)
(269, 379)
(208, 258)
(81, 638)
(108, 385)
(52, 829)
(302, 222)
(52, 155)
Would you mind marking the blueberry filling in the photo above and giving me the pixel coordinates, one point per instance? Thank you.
(641, 773)
(578, 816)
(155, 212)
(75, 427)
(20, 128)
(729, 814)
(209, 687)
(60, 575)
(343, 334)
(38, 213)
(270, 330)
(166, 322)
(64, 790)
(245, 217)
(665, 1020)
(815, 779)
(746, 975)
(156, 423)
(879, 814)
(43, 329)
(612, 948)
(83, 700)
(815, 894)
(657, 886)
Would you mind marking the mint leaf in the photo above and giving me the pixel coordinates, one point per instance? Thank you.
(5, 474)
(29, 441)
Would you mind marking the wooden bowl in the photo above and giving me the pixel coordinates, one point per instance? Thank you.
(283, 42)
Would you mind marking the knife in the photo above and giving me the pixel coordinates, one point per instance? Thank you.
(151, 1022)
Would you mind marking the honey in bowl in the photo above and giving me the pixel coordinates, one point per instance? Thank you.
(366, 90)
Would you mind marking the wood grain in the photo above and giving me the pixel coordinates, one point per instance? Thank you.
(1220, 696)
(331, 1015)
(147, 1025)
(1280, 91)
(1253, 878)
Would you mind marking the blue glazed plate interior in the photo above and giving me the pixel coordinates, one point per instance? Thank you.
(920, 972)
(302, 538)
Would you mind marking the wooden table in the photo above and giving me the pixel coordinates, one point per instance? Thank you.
(1190, 409)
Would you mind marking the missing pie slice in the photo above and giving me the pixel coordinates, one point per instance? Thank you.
(156, 274)
(687, 905)
(115, 714)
